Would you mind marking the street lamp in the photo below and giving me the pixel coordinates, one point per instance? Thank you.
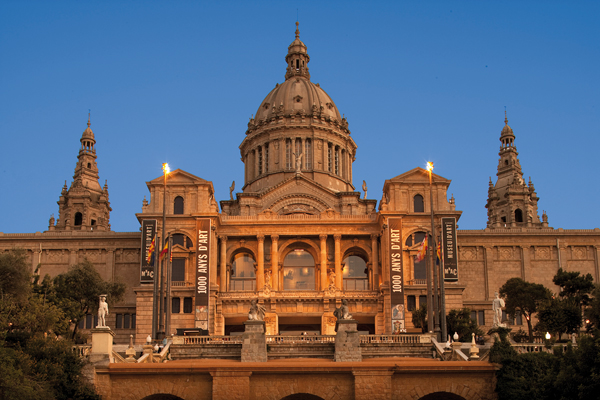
(161, 326)
(435, 308)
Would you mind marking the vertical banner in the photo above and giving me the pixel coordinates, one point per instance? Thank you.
(202, 271)
(147, 268)
(396, 275)
(449, 247)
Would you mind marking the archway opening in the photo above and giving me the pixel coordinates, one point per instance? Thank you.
(442, 396)
(302, 396)
(299, 270)
(162, 396)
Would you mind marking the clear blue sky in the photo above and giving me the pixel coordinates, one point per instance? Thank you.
(176, 81)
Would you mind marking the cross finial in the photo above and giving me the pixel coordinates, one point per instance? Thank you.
(505, 118)
(297, 30)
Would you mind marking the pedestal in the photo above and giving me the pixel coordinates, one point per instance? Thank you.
(102, 342)
(347, 341)
(254, 345)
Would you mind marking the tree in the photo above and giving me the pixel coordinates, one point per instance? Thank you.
(559, 316)
(524, 297)
(77, 291)
(460, 321)
(419, 318)
(573, 286)
(14, 275)
(592, 313)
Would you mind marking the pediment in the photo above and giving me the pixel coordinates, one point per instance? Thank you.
(179, 177)
(298, 195)
(417, 175)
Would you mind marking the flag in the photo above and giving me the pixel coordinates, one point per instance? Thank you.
(164, 251)
(422, 251)
(150, 257)
(439, 253)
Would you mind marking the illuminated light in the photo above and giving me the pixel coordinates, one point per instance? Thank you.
(166, 168)
(429, 166)
(547, 335)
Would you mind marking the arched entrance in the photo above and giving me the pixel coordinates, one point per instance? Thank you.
(442, 396)
(302, 396)
(161, 396)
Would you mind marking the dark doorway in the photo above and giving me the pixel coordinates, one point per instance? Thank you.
(302, 396)
(442, 396)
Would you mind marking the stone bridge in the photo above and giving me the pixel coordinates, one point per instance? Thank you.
(296, 379)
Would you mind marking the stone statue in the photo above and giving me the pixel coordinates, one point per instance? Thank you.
(102, 311)
(497, 305)
(257, 312)
(51, 221)
(341, 312)
(364, 188)
(298, 162)
(231, 189)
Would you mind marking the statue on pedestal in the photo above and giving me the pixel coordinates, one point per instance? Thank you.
(256, 312)
(102, 312)
(497, 305)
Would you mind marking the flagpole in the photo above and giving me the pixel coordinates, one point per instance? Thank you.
(168, 303)
(155, 292)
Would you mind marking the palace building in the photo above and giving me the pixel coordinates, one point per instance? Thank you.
(299, 237)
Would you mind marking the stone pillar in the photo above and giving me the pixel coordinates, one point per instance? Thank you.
(230, 385)
(102, 341)
(338, 262)
(373, 385)
(488, 261)
(274, 262)
(324, 280)
(223, 267)
(347, 341)
(254, 345)
(260, 263)
(374, 262)
(525, 261)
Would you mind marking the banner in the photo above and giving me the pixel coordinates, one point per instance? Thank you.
(449, 248)
(396, 275)
(146, 268)
(202, 271)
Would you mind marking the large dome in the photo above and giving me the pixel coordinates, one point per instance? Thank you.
(297, 130)
(297, 95)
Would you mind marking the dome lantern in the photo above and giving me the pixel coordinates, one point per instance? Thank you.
(297, 58)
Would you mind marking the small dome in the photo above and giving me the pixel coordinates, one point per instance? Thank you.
(506, 130)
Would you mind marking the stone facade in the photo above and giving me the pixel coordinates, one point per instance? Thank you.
(298, 236)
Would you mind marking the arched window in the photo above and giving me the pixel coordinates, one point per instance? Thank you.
(329, 158)
(182, 240)
(260, 160)
(420, 267)
(242, 273)
(78, 219)
(518, 215)
(418, 203)
(299, 271)
(307, 154)
(355, 273)
(178, 205)
(288, 154)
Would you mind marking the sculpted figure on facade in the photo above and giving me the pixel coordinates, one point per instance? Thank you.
(298, 162)
(342, 312)
(102, 312)
(256, 312)
(231, 189)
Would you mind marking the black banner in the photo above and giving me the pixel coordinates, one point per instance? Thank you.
(148, 232)
(202, 271)
(450, 249)
(396, 275)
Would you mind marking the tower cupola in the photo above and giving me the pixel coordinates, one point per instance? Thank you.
(297, 58)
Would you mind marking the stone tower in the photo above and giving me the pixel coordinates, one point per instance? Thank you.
(512, 202)
(85, 205)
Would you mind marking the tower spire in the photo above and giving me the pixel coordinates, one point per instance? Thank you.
(511, 201)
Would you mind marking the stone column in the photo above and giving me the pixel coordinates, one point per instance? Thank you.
(324, 280)
(230, 385)
(274, 262)
(260, 264)
(488, 261)
(347, 341)
(374, 262)
(223, 267)
(525, 261)
(338, 262)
